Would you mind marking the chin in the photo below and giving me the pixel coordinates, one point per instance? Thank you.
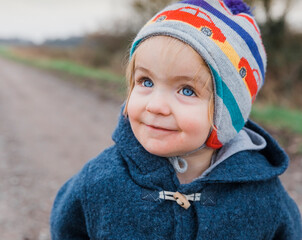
(162, 152)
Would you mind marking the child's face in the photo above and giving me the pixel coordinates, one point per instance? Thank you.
(169, 104)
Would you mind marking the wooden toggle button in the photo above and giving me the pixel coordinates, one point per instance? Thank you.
(181, 200)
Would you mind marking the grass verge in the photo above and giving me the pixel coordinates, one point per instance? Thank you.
(65, 66)
(278, 117)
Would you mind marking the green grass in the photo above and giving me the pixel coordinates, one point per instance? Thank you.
(65, 66)
(4, 51)
(278, 117)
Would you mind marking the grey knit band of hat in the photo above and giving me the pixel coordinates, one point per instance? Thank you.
(230, 43)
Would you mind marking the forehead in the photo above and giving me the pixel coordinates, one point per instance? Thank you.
(168, 55)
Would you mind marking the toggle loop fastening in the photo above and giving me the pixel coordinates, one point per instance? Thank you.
(181, 200)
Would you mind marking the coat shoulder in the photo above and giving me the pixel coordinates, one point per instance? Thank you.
(107, 166)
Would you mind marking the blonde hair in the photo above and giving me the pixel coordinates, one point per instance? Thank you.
(208, 84)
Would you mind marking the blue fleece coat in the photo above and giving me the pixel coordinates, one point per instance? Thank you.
(116, 196)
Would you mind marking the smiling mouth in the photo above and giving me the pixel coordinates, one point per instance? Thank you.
(160, 128)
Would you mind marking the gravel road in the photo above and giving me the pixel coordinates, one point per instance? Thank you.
(48, 129)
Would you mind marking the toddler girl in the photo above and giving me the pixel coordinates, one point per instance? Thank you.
(186, 163)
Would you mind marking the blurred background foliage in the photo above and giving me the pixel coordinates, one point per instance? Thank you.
(108, 50)
(284, 50)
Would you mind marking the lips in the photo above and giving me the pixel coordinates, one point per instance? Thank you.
(159, 128)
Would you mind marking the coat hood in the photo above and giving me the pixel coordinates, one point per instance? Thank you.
(244, 166)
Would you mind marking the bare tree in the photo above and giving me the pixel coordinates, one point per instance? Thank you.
(267, 6)
(274, 28)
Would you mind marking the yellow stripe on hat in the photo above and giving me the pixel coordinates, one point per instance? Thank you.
(232, 55)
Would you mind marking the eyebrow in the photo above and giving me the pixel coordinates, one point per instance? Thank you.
(142, 69)
(175, 78)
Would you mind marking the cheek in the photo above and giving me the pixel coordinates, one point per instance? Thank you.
(192, 126)
(195, 118)
(135, 108)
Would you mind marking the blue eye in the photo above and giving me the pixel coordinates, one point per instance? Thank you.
(147, 83)
(187, 92)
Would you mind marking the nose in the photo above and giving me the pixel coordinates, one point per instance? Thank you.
(159, 104)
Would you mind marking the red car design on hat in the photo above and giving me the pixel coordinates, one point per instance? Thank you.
(194, 17)
(250, 76)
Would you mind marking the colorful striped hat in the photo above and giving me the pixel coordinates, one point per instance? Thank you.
(227, 37)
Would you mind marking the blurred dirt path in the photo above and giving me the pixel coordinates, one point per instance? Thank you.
(48, 129)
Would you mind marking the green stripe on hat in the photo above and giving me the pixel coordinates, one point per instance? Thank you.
(229, 101)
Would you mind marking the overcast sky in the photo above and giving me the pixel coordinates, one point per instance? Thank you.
(40, 19)
(37, 20)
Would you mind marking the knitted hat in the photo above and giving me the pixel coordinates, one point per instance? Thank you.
(227, 37)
